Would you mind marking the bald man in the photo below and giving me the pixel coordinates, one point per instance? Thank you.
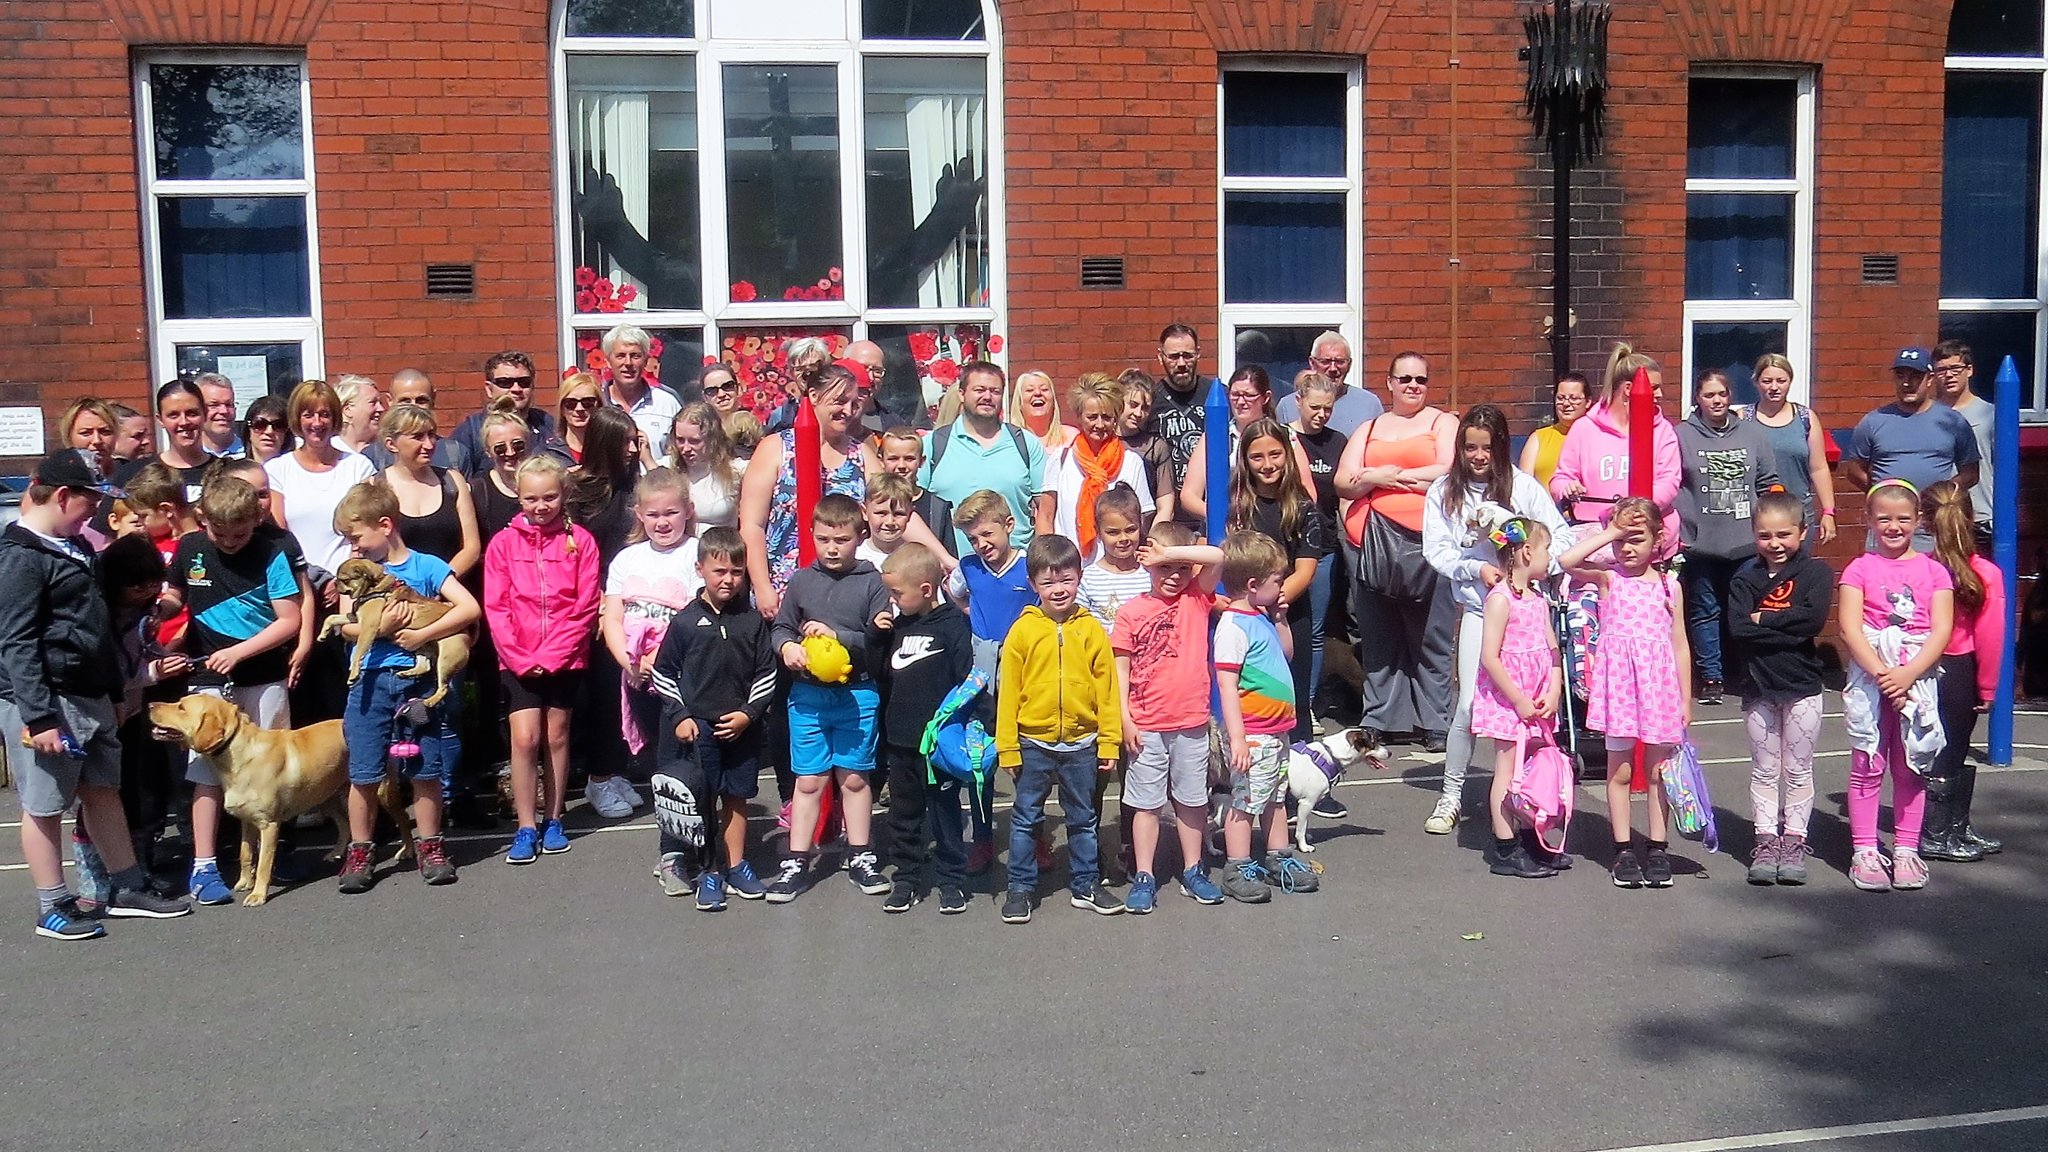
(411, 386)
(874, 413)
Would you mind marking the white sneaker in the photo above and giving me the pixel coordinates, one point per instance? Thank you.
(1443, 818)
(605, 801)
(624, 790)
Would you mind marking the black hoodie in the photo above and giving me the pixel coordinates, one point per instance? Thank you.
(929, 655)
(1780, 660)
(56, 635)
(712, 662)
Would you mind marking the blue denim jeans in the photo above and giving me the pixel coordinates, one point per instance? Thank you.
(1706, 594)
(369, 719)
(1319, 594)
(1074, 774)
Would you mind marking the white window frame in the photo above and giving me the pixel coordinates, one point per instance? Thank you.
(1347, 317)
(717, 311)
(2034, 404)
(165, 334)
(1795, 313)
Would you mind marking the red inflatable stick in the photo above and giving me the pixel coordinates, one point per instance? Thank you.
(810, 478)
(1642, 473)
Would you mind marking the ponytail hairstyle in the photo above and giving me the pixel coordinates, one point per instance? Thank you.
(1498, 481)
(1622, 363)
(1952, 520)
(1511, 539)
(1295, 506)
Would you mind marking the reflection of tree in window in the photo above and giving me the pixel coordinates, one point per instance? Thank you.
(633, 146)
(925, 140)
(782, 175)
(632, 18)
(921, 19)
(226, 121)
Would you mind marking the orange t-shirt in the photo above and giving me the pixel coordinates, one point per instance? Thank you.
(1403, 508)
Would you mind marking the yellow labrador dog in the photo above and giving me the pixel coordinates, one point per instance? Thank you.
(369, 589)
(271, 777)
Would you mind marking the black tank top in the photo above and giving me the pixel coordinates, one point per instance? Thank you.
(438, 533)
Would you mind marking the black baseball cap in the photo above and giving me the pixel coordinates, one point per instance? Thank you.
(72, 468)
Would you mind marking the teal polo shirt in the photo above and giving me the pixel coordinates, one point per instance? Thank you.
(970, 466)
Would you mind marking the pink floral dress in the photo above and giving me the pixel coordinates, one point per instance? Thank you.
(1529, 653)
(1633, 691)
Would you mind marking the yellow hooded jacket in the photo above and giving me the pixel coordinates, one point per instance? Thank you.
(1057, 685)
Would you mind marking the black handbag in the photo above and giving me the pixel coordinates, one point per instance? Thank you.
(1390, 561)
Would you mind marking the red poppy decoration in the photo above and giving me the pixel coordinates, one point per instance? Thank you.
(944, 371)
(585, 277)
(995, 344)
(923, 347)
(654, 348)
(834, 274)
(586, 301)
(743, 291)
(627, 294)
(603, 288)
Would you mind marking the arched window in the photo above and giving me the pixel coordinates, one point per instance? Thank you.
(733, 173)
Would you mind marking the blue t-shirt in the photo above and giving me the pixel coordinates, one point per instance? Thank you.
(1920, 448)
(229, 596)
(969, 466)
(423, 574)
(994, 599)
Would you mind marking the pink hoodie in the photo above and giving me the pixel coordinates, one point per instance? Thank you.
(1595, 456)
(1983, 632)
(541, 595)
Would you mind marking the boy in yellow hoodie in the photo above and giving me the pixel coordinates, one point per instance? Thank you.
(1057, 721)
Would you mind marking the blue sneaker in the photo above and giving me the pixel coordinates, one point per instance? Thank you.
(1195, 884)
(553, 840)
(710, 891)
(741, 882)
(208, 888)
(1144, 894)
(65, 922)
(525, 846)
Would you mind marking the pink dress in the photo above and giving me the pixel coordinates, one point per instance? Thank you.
(1528, 653)
(1633, 692)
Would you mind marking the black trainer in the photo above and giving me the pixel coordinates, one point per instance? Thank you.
(1017, 907)
(64, 921)
(1329, 808)
(1657, 868)
(1433, 741)
(788, 882)
(1516, 862)
(1709, 693)
(952, 900)
(902, 898)
(132, 903)
(1099, 900)
(1628, 873)
(866, 873)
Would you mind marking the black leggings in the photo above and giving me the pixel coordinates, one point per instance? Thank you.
(1956, 693)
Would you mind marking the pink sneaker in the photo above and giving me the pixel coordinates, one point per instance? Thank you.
(1909, 872)
(782, 818)
(1867, 871)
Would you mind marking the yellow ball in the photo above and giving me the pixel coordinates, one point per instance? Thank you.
(828, 658)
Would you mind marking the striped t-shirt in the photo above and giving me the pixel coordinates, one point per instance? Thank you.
(1248, 644)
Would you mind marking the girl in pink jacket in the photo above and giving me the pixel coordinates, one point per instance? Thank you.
(541, 596)
(1592, 469)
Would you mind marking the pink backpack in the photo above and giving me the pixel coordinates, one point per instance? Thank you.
(1540, 795)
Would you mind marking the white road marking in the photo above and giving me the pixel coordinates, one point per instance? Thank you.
(1847, 1131)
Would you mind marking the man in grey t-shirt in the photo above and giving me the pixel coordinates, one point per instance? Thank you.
(1953, 367)
(1356, 407)
(1914, 438)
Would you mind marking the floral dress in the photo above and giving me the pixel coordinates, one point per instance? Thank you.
(1528, 653)
(846, 480)
(1634, 691)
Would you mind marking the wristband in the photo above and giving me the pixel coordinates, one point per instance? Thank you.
(1827, 511)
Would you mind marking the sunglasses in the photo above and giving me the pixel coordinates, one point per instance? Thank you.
(728, 386)
(509, 450)
(1411, 379)
(511, 382)
(266, 425)
(579, 403)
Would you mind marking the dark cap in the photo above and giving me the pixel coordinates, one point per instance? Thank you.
(72, 468)
(1915, 359)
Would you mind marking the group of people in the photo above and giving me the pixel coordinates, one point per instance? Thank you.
(647, 607)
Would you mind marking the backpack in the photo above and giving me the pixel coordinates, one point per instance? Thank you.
(957, 743)
(938, 512)
(1685, 786)
(1540, 795)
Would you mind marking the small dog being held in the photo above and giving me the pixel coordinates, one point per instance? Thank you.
(1313, 768)
(370, 590)
(270, 777)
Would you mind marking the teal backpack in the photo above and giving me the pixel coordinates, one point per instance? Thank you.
(958, 744)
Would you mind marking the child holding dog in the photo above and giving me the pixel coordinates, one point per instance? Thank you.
(1161, 644)
(1518, 699)
(367, 518)
(59, 672)
(541, 599)
(1255, 690)
(245, 614)
(715, 676)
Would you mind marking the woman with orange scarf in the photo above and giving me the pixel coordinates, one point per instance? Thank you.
(1092, 463)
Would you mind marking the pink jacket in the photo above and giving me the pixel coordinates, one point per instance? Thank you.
(1983, 631)
(541, 595)
(1595, 456)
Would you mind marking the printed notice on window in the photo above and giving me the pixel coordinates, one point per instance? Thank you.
(21, 431)
(249, 374)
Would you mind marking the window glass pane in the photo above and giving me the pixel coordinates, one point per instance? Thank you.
(782, 181)
(632, 18)
(1283, 124)
(282, 364)
(1992, 336)
(226, 121)
(1738, 247)
(1741, 129)
(1283, 248)
(921, 361)
(1734, 348)
(1990, 190)
(243, 256)
(633, 182)
(1995, 28)
(927, 189)
(1282, 350)
(921, 20)
(759, 358)
(675, 358)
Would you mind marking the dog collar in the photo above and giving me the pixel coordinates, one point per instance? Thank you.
(1319, 758)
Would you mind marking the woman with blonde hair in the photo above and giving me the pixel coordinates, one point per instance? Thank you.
(578, 398)
(88, 426)
(1798, 443)
(362, 411)
(704, 457)
(1035, 407)
(436, 514)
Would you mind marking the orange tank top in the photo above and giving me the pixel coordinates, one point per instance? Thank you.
(1403, 508)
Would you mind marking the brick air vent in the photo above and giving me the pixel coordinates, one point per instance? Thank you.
(451, 281)
(1102, 272)
(1881, 269)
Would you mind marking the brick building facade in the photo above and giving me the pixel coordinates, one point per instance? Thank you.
(442, 134)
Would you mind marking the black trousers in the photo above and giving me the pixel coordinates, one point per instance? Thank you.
(1954, 777)
(925, 822)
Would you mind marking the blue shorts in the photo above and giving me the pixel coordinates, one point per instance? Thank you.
(369, 722)
(731, 767)
(832, 727)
